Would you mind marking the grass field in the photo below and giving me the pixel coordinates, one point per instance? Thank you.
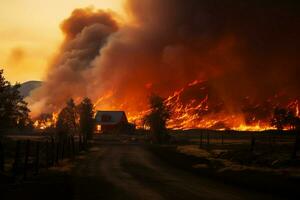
(265, 150)
(230, 157)
(265, 164)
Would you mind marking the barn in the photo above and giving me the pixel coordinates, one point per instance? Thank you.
(110, 121)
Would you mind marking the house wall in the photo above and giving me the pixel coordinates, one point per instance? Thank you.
(111, 127)
(108, 127)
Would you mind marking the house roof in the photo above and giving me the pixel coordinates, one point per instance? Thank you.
(110, 117)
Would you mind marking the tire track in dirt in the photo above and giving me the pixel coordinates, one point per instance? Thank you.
(112, 169)
(139, 173)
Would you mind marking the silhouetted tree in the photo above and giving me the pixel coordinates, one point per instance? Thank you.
(86, 118)
(280, 118)
(67, 120)
(13, 109)
(283, 117)
(46, 118)
(296, 123)
(157, 118)
(292, 120)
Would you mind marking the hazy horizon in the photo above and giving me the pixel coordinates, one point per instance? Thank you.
(30, 33)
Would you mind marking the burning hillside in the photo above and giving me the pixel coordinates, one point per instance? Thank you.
(197, 106)
(247, 53)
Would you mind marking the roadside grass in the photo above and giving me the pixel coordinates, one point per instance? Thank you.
(247, 177)
(62, 182)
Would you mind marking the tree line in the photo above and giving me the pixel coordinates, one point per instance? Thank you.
(285, 118)
(79, 119)
(72, 119)
(76, 120)
(160, 113)
(14, 112)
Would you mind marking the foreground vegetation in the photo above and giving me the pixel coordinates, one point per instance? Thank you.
(268, 165)
(228, 157)
(21, 157)
(14, 112)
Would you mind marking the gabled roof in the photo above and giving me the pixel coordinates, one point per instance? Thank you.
(110, 117)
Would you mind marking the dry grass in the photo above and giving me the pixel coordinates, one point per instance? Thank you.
(193, 150)
(230, 158)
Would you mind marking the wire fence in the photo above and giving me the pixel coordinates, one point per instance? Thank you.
(253, 141)
(22, 158)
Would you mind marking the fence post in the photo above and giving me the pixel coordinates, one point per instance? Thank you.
(47, 153)
(63, 149)
(2, 157)
(27, 151)
(69, 146)
(82, 148)
(201, 138)
(207, 137)
(52, 151)
(274, 140)
(73, 146)
(222, 138)
(85, 142)
(252, 143)
(37, 158)
(57, 152)
(16, 160)
(296, 146)
(79, 143)
(270, 142)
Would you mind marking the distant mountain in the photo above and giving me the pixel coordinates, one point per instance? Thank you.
(27, 87)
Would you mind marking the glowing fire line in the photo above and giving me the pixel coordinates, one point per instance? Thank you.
(188, 115)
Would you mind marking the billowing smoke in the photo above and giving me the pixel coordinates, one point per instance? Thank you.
(86, 32)
(241, 48)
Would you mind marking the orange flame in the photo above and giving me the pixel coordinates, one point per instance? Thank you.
(191, 114)
(46, 123)
(188, 115)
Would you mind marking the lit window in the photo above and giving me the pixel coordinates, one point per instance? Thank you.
(98, 128)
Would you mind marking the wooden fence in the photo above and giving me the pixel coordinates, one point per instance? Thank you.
(24, 158)
(251, 140)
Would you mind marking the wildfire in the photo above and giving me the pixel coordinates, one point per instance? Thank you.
(46, 121)
(193, 106)
(256, 127)
(294, 105)
(200, 111)
(117, 64)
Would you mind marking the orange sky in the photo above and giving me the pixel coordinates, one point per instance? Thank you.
(30, 34)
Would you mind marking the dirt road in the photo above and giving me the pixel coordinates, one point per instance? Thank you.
(126, 172)
(136, 173)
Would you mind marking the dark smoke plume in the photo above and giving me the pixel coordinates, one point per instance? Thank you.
(86, 32)
(242, 48)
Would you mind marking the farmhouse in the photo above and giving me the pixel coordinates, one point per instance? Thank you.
(110, 121)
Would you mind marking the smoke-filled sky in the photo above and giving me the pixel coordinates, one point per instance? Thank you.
(243, 48)
(30, 33)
